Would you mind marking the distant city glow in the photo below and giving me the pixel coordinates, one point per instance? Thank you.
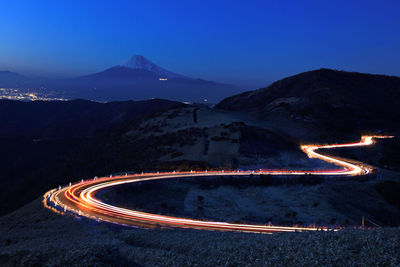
(26, 95)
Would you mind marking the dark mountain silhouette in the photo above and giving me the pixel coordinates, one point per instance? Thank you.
(71, 119)
(329, 101)
(36, 139)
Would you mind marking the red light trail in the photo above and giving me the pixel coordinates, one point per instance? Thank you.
(79, 198)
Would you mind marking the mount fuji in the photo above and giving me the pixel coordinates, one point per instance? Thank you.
(140, 79)
(140, 62)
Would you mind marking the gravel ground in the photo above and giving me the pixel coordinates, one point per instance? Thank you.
(34, 236)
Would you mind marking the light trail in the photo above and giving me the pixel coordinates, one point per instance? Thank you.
(79, 198)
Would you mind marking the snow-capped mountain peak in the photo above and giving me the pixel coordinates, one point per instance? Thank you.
(140, 62)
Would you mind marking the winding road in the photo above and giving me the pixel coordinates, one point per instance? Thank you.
(79, 198)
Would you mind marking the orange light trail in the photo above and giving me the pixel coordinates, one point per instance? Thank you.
(79, 198)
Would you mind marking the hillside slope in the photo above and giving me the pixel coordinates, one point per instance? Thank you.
(339, 103)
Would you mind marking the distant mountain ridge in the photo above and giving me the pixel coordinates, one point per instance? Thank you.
(13, 79)
(135, 79)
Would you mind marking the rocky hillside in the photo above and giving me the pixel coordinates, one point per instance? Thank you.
(182, 138)
(338, 103)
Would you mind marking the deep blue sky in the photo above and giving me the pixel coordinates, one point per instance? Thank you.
(248, 43)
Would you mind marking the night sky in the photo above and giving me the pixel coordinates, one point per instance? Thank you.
(246, 43)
